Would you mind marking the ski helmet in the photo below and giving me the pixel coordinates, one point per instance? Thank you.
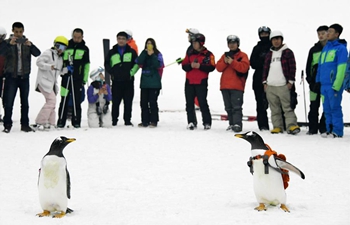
(129, 33)
(95, 74)
(264, 29)
(2, 33)
(276, 33)
(199, 38)
(62, 40)
(233, 38)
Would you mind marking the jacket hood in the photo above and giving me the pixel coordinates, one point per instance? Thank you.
(338, 42)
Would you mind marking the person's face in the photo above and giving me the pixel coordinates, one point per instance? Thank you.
(264, 34)
(121, 40)
(102, 77)
(77, 37)
(332, 34)
(196, 45)
(149, 45)
(18, 32)
(322, 35)
(233, 46)
(276, 42)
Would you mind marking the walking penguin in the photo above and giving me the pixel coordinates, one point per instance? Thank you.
(54, 181)
(270, 172)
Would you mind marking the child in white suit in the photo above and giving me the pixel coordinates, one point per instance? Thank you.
(99, 95)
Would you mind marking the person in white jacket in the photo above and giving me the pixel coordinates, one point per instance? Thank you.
(50, 67)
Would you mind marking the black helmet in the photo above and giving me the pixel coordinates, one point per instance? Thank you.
(233, 38)
(200, 38)
(264, 29)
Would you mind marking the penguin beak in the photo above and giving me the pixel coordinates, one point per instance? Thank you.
(239, 135)
(69, 140)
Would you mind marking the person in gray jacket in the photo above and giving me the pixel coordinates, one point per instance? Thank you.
(50, 66)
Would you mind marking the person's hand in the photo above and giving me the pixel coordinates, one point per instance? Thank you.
(53, 67)
(289, 85)
(265, 87)
(229, 59)
(195, 65)
(13, 40)
(28, 43)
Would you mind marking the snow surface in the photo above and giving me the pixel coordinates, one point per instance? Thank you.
(169, 175)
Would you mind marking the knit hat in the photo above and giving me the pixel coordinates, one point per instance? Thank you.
(122, 34)
(337, 28)
(322, 28)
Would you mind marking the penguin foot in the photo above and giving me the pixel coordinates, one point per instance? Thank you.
(60, 215)
(261, 207)
(284, 208)
(45, 213)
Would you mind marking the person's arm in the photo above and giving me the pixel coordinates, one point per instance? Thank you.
(342, 55)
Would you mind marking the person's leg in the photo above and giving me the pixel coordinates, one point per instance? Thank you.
(201, 93)
(153, 105)
(228, 105)
(47, 113)
(145, 110)
(275, 107)
(128, 98)
(10, 91)
(261, 107)
(189, 96)
(116, 100)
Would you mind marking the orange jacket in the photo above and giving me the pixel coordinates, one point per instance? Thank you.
(229, 78)
(133, 45)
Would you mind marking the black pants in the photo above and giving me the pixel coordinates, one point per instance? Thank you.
(76, 102)
(201, 91)
(261, 105)
(314, 124)
(233, 101)
(122, 90)
(149, 105)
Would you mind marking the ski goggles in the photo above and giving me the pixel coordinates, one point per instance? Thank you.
(264, 29)
(61, 47)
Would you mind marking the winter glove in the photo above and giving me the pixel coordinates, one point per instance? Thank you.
(179, 60)
(70, 69)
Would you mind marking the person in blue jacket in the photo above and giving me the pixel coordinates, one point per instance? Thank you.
(347, 76)
(330, 77)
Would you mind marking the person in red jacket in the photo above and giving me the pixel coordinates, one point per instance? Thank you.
(131, 41)
(198, 63)
(234, 66)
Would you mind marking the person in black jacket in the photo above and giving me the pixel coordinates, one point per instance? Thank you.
(120, 63)
(315, 96)
(257, 60)
(77, 60)
(16, 72)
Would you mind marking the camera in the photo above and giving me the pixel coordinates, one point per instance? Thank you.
(21, 40)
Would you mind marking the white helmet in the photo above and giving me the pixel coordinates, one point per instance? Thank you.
(2, 33)
(95, 74)
(192, 31)
(129, 33)
(276, 33)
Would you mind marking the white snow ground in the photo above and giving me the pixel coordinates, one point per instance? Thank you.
(169, 175)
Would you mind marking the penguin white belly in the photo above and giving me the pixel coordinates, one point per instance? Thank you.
(269, 187)
(53, 184)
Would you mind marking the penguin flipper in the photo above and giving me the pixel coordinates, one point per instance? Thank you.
(288, 166)
(68, 184)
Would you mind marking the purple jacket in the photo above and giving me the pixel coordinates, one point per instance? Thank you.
(93, 97)
(288, 65)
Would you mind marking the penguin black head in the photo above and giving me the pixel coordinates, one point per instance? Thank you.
(254, 139)
(58, 145)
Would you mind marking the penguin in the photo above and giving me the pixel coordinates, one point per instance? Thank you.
(268, 168)
(54, 180)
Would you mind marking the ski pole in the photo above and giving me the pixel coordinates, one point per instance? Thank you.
(71, 76)
(302, 81)
(178, 60)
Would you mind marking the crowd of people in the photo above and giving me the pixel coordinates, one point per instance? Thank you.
(273, 62)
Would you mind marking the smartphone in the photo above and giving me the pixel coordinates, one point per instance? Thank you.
(227, 54)
(21, 40)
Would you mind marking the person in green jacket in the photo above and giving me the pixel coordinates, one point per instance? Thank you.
(152, 64)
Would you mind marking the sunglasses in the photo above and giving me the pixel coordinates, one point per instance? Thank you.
(61, 47)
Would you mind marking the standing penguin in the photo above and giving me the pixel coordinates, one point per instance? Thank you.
(54, 181)
(270, 172)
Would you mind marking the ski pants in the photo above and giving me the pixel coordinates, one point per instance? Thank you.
(313, 116)
(261, 106)
(47, 114)
(201, 91)
(122, 90)
(332, 109)
(149, 105)
(233, 101)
